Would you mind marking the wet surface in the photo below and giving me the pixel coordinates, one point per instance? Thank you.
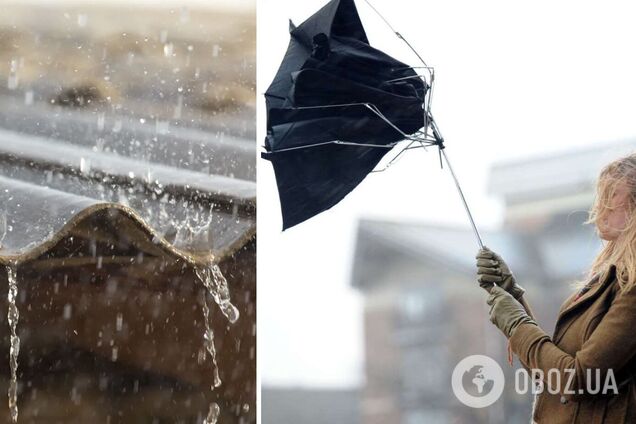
(127, 217)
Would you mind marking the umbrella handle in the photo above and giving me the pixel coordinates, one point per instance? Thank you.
(461, 194)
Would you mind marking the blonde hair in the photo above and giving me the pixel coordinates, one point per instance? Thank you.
(620, 252)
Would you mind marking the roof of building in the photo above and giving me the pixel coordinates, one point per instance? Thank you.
(554, 174)
(545, 255)
(190, 190)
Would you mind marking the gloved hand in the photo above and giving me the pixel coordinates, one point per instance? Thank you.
(491, 268)
(505, 312)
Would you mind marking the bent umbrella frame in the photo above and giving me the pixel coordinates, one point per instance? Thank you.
(427, 136)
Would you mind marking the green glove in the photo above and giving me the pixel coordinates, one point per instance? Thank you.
(505, 312)
(491, 269)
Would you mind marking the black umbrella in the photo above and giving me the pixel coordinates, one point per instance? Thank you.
(336, 107)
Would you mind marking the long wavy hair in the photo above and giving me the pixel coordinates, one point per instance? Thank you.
(622, 251)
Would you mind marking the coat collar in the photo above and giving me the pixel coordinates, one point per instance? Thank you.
(596, 288)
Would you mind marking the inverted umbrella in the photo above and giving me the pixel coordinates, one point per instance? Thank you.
(336, 107)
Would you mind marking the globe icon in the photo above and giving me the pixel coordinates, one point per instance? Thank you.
(476, 383)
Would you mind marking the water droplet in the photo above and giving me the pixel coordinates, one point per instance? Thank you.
(178, 108)
(119, 322)
(12, 316)
(213, 414)
(168, 50)
(13, 80)
(28, 97)
(82, 20)
(68, 311)
(85, 165)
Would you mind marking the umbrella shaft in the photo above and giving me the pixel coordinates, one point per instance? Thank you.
(461, 194)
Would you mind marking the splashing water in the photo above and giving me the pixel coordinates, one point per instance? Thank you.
(208, 342)
(216, 284)
(13, 315)
(213, 414)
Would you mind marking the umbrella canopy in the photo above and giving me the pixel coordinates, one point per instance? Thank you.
(335, 108)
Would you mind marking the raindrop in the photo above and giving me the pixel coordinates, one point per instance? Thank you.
(85, 165)
(168, 50)
(120, 321)
(28, 97)
(213, 414)
(68, 311)
(82, 20)
(3, 226)
(13, 81)
(178, 108)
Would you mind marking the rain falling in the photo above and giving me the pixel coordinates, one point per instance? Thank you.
(127, 220)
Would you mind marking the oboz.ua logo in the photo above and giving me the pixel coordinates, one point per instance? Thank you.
(477, 381)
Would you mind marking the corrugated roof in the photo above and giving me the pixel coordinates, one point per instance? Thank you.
(108, 222)
(188, 199)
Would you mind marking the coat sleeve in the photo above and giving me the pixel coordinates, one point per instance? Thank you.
(609, 347)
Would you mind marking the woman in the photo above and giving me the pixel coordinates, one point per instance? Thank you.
(593, 349)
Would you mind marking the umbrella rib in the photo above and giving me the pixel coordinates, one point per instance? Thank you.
(373, 108)
(405, 78)
(396, 32)
(351, 143)
(395, 159)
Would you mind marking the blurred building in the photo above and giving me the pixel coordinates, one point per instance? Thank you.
(310, 406)
(424, 310)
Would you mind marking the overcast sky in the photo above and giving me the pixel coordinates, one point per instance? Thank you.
(513, 80)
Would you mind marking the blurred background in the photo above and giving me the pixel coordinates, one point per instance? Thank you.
(127, 174)
(365, 309)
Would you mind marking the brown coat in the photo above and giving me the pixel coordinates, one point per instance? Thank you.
(595, 332)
